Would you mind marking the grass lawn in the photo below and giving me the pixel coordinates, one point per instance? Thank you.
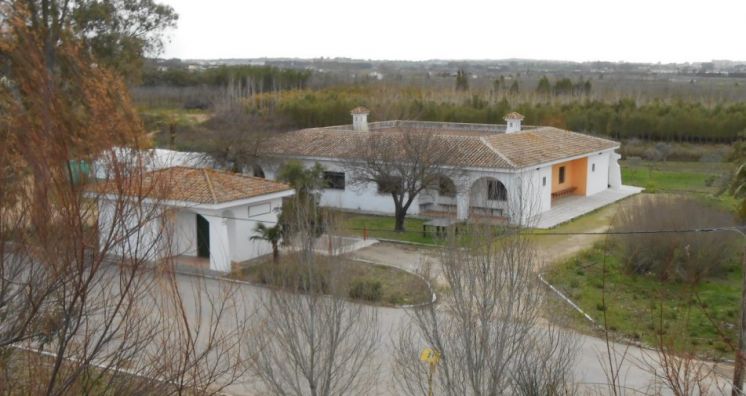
(699, 177)
(382, 227)
(369, 283)
(637, 305)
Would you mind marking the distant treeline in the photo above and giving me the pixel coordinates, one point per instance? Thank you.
(257, 78)
(621, 119)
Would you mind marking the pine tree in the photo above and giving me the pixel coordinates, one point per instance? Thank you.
(462, 82)
(544, 87)
(514, 89)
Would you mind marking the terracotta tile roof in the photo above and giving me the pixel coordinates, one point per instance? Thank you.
(496, 150)
(360, 110)
(197, 185)
(545, 144)
(513, 116)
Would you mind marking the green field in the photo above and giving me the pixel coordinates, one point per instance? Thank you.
(382, 227)
(671, 176)
(703, 318)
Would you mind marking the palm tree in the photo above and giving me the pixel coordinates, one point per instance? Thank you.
(272, 235)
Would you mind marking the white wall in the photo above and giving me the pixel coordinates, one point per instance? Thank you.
(185, 233)
(244, 224)
(598, 180)
(354, 196)
(138, 231)
(230, 232)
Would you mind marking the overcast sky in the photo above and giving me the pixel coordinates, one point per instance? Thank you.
(579, 30)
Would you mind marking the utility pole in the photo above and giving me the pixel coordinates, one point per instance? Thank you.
(738, 370)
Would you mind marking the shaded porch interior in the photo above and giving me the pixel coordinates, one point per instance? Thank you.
(569, 178)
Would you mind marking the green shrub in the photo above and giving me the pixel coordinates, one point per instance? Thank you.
(294, 277)
(368, 290)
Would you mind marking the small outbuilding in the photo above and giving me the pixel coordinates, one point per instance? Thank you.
(208, 216)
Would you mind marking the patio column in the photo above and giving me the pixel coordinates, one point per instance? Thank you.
(220, 253)
(615, 173)
(462, 205)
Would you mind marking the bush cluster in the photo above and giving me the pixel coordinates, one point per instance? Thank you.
(676, 255)
(366, 289)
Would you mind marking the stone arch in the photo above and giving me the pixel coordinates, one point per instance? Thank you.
(440, 195)
(488, 196)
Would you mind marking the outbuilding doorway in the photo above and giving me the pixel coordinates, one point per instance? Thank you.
(203, 237)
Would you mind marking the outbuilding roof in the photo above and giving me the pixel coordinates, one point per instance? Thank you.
(360, 110)
(469, 148)
(514, 116)
(195, 185)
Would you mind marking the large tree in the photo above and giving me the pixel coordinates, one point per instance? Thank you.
(82, 308)
(488, 328)
(401, 164)
(118, 33)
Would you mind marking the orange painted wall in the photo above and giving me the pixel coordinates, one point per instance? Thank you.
(576, 174)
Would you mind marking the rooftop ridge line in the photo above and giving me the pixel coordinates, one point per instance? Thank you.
(209, 186)
(496, 151)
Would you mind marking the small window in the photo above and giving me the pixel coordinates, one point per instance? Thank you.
(496, 191)
(334, 180)
(258, 210)
(593, 167)
(446, 187)
(544, 181)
(561, 174)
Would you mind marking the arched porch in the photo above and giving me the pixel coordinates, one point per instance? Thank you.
(487, 196)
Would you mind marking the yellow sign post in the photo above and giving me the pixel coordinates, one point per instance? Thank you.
(432, 357)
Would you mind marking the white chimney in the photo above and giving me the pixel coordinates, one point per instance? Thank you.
(514, 122)
(360, 119)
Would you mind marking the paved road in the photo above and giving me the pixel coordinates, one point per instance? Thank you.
(589, 369)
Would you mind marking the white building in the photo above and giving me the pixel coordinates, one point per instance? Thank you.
(510, 171)
(199, 216)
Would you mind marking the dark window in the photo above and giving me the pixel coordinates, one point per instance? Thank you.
(544, 181)
(593, 167)
(496, 191)
(258, 171)
(334, 180)
(203, 237)
(561, 174)
(446, 187)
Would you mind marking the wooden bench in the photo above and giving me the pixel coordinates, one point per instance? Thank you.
(440, 226)
(562, 193)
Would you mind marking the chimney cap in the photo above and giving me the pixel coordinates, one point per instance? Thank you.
(360, 110)
(513, 116)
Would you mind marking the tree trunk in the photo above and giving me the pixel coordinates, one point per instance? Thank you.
(275, 252)
(399, 215)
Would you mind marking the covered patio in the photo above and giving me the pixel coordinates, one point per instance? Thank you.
(569, 207)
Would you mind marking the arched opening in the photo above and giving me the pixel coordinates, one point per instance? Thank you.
(488, 196)
(257, 171)
(439, 196)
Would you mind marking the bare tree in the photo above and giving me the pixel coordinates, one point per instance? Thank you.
(237, 136)
(486, 325)
(84, 305)
(401, 164)
(313, 341)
